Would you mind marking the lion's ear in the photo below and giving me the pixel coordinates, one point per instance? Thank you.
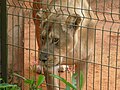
(73, 21)
(42, 14)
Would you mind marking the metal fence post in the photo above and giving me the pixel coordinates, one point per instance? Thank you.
(0, 41)
(3, 31)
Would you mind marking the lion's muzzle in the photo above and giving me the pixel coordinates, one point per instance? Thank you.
(44, 56)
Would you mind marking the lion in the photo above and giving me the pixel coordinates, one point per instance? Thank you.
(67, 38)
(36, 6)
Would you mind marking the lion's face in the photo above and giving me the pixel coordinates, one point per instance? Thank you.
(57, 37)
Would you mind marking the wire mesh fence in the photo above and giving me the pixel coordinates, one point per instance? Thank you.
(47, 36)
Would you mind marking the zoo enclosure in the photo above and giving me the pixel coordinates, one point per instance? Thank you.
(104, 69)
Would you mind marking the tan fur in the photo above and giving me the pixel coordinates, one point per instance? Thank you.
(66, 30)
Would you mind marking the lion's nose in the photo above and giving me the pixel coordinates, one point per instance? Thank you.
(43, 56)
(44, 60)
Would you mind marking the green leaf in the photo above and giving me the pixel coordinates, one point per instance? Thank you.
(1, 79)
(67, 87)
(64, 81)
(41, 79)
(28, 81)
(39, 89)
(6, 85)
(15, 74)
(81, 79)
(74, 79)
(14, 88)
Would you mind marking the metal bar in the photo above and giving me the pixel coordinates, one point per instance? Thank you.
(119, 10)
(3, 28)
(0, 42)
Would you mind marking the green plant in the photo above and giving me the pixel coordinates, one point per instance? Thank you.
(6, 86)
(68, 84)
(31, 82)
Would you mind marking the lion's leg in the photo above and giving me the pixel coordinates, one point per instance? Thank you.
(52, 83)
(80, 67)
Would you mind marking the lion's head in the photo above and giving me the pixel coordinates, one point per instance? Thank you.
(58, 38)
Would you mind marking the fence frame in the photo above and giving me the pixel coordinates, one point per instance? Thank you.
(3, 27)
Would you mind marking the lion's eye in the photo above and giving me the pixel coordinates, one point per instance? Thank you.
(43, 40)
(71, 25)
(55, 40)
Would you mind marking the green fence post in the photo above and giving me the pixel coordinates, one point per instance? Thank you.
(3, 31)
(0, 40)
